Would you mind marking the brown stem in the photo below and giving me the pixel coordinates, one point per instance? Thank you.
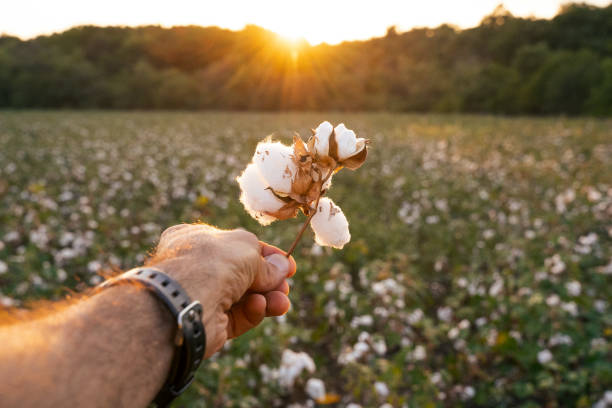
(299, 235)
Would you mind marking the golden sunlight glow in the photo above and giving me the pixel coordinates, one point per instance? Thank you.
(290, 35)
(316, 21)
(291, 41)
(295, 31)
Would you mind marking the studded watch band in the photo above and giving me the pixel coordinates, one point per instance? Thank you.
(190, 340)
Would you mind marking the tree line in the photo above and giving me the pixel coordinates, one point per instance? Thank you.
(506, 65)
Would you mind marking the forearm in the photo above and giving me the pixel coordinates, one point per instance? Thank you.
(113, 349)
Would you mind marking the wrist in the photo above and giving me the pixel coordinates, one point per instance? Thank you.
(209, 298)
(190, 340)
(131, 335)
(137, 307)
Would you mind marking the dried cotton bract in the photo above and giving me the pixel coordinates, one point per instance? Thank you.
(281, 180)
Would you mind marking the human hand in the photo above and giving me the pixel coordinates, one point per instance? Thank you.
(238, 279)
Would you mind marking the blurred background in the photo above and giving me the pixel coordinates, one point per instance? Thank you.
(479, 269)
(475, 59)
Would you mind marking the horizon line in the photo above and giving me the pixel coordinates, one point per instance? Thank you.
(399, 31)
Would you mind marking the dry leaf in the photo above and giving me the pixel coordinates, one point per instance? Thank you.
(329, 398)
(356, 161)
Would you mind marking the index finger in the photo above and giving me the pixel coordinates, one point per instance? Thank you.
(267, 249)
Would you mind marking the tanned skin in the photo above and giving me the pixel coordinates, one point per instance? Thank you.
(114, 347)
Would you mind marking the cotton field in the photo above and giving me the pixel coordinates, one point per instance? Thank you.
(479, 271)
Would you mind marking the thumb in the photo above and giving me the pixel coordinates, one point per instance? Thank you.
(274, 270)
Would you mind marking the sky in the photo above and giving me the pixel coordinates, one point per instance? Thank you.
(317, 21)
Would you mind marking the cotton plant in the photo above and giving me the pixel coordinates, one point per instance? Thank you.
(282, 180)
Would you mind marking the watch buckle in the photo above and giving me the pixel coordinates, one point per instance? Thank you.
(192, 309)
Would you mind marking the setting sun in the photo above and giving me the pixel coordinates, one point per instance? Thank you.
(310, 25)
(316, 21)
(291, 42)
(290, 34)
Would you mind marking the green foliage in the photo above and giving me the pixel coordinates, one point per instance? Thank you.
(564, 83)
(505, 65)
(600, 101)
(494, 90)
(468, 234)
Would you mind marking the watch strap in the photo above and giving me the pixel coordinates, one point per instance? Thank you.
(190, 339)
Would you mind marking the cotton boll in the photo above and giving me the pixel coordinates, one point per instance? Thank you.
(381, 389)
(341, 128)
(256, 197)
(315, 388)
(348, 143)
(292, 365)
(330, 225)
(545, 356)
(322, 133)
(274, 162)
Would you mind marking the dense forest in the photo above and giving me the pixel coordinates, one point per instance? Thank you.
(505, 65)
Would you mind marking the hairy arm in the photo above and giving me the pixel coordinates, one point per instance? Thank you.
(111, 349)
(115, 347)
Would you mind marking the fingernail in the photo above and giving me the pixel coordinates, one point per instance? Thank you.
(281, 263)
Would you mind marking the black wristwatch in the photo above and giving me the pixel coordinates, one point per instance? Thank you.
(190, 339)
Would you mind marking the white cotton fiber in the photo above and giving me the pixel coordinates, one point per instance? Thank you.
(348, 143)
(273, 160)
(292, 365)
(322, 133)
(255, 196)
(328, 183)
(330, 225)
(315, 388)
